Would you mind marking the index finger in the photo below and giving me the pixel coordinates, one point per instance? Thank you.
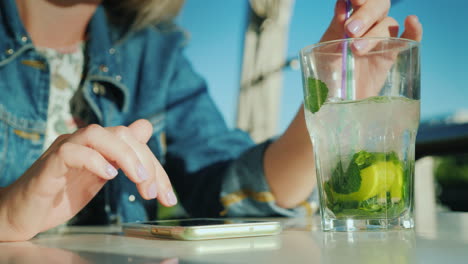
(158, 181)
(365, 16)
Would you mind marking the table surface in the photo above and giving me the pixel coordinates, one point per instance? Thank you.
(442, 238)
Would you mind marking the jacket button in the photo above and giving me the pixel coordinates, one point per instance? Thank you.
(118, 78)
(99, 89)
(104, 68)
(96, 89)
(111, 51)
(9, 51)
(24, 38)
(131, 198)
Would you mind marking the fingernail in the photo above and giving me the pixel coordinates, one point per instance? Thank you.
(360, 44)
(355, 26)
(111, 171)
(141, 172)
(152, 191)
(171, 198)
(172, 261)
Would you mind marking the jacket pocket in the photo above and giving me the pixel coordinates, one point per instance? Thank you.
(21, 143)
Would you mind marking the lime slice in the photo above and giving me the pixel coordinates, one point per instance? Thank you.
(375, 179)
(397, 186)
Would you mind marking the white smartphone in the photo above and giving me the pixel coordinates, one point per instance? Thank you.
(202, 228)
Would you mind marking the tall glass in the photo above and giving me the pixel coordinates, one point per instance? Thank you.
(361, 103)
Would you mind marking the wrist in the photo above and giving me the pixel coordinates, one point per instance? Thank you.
(10, 230)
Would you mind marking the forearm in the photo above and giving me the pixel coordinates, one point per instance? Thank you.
(289, 164)
(7, 230)
(13, 214)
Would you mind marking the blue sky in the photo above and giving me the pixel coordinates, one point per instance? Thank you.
(215, 49)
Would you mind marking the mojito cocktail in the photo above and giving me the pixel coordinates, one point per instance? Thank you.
(363, 142)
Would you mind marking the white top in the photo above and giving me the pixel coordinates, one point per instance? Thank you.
(65, 75)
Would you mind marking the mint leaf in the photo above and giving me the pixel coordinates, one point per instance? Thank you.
(380, 99)
(317, 94)
(362, 158)
(349, 181)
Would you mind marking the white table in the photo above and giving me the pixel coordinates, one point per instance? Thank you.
(442, 239)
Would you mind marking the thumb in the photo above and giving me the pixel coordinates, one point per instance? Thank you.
(142, 130)
(413, 28)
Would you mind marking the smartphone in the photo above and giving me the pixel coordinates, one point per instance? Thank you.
(202, 228)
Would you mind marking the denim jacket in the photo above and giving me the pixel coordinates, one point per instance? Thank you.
(215, 171)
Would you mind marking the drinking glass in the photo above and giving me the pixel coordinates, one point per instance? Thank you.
(362, 110)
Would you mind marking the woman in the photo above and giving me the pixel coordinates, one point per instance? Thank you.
(74, 77)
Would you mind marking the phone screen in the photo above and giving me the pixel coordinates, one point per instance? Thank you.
(196, 222)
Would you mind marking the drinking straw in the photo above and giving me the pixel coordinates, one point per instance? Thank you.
(346, 65)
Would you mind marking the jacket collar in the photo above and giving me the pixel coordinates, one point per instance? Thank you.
(103, 39)
(14, 24)
(13, 34)
(103, 51)
(102, 48)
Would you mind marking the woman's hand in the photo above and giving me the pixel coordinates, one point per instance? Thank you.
(369, 19)
(72, 171)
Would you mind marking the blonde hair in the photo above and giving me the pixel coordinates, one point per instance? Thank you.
(137, 14)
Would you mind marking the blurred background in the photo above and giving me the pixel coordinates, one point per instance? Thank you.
(218, 44)
(217, 37)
